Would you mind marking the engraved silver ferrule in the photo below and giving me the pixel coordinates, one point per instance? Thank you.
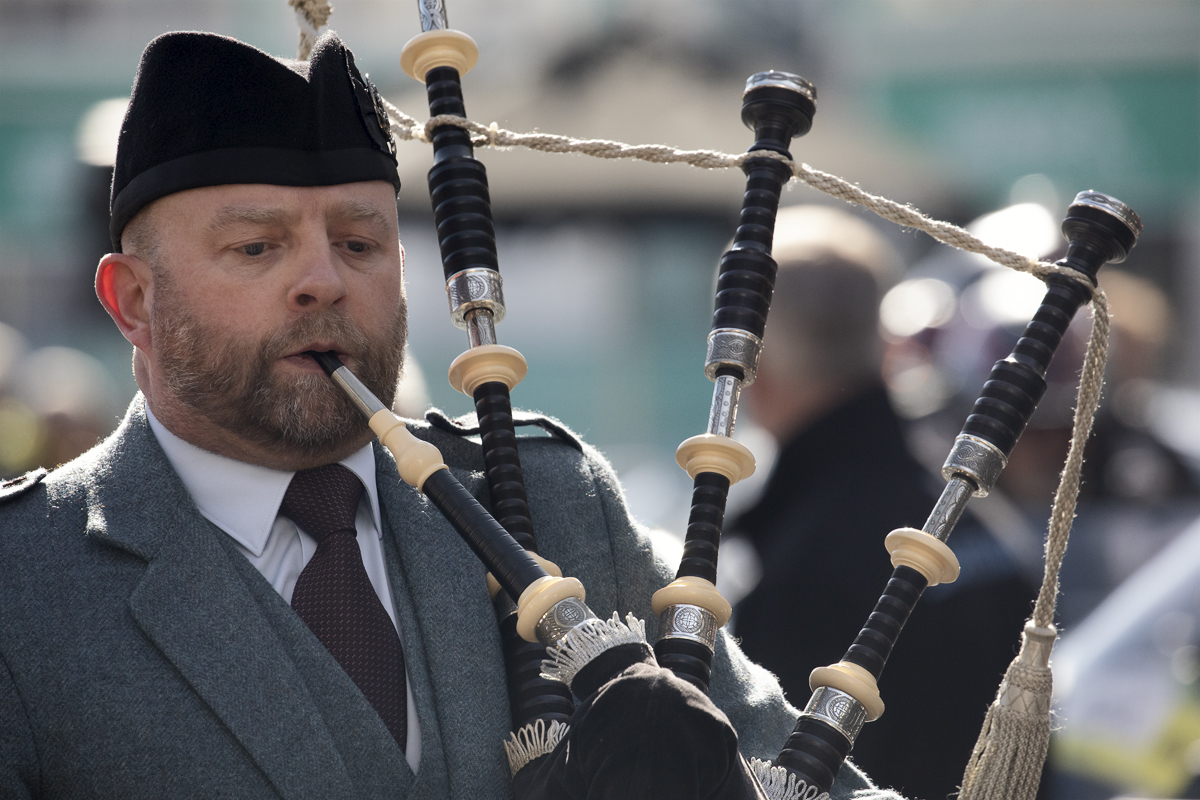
(433, 15)
(977, 459)
(481, 328)
(562, 618)
(362, 397)
(949, 508)
(686, 621)
(838, 709)
(474, 288)
(722, 416)
(732, 347)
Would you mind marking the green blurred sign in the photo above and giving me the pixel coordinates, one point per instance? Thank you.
(1134, 134)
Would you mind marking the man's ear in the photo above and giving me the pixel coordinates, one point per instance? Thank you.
(122, 282)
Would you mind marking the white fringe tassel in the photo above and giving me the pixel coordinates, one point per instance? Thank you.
(532, 741)
(589, 640)
(779, 784)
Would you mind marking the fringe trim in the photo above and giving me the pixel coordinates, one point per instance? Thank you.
(779, 784)
(589, 640)
(533, 741)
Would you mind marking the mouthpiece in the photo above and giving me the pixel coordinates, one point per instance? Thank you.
(328, 361)
(362, 397)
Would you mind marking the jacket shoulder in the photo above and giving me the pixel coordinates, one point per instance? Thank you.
(13, 488)
(468, 425)
(451, 436)
(34, 500)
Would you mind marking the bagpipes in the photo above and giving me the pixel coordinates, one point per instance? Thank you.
(543, 616)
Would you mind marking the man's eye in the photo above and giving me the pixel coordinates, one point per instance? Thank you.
(356, 247)
(256, 249)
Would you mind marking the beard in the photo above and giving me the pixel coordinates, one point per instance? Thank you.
(237, 385)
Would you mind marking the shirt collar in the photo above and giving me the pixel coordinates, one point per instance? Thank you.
(243, 499)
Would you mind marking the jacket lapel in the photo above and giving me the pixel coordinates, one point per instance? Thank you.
(459, 636)
(197, 611)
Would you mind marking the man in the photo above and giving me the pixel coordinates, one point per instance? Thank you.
(844, 478)
(171, 623)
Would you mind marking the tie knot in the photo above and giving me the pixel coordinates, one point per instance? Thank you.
(322, 500)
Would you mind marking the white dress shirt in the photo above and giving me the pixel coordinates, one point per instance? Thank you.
(243, 500)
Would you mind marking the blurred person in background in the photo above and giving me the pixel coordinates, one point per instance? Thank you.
(843, 479)
(55, 403)
(1139, 484)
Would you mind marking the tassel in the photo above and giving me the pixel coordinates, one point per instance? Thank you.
(533, 741)
(779, 784)
(1007, 761)
(586, 642)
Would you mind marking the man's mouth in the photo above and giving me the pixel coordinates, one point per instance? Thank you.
(304, 360)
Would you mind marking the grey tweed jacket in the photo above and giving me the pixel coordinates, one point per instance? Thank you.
(141, 656)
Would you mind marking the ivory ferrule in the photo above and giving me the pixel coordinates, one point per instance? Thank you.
(854, 681)
(415, 460)
(486, 363)
(918, 550)
(438, 48)
(692, 591)
(712, 453)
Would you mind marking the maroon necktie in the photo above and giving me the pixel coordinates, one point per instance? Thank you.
(334, 596)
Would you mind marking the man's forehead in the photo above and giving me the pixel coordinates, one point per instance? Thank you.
(220, 206)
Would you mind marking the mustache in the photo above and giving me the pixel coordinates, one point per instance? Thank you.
(331, 325)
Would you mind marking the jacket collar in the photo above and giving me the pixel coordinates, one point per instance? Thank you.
(195, 608)
(450, 609)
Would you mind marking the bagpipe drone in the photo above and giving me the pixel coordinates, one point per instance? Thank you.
(554, 646)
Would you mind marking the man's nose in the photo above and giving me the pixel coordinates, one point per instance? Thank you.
(318, 284)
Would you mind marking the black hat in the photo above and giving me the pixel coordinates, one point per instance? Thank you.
(209, 110)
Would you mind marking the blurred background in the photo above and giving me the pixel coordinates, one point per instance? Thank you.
(991, 113)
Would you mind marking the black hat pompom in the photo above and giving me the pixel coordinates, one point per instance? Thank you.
(208, 110)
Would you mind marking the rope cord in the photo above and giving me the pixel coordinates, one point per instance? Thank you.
(1091, 379)
(311, 16)
(407, 128)
(1062, 513)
